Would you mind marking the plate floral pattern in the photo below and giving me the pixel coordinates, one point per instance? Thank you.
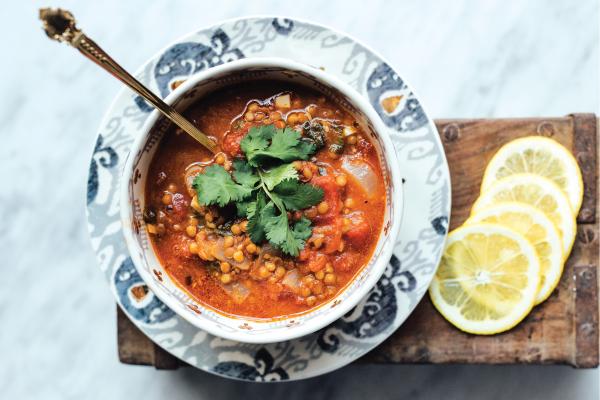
(426, 204)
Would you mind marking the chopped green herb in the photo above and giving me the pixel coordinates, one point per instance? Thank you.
(336, 148)
(275, 176)
(256, 225)
(215, 186)
(276, 225)
(296, 238)
(257, 139)
(242, 207)
(335, 139)
(314, 132)
(265, 187)
(244, 174)
(285, 145)
(297, 196)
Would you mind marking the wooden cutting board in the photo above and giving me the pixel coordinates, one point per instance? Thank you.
(563, 330)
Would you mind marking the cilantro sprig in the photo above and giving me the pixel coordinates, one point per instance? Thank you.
(217, 187)
(265, 186)
(266, 143)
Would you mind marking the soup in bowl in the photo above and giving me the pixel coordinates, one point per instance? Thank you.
(287, 226)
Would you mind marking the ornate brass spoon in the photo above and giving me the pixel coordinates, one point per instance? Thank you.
(60, 25)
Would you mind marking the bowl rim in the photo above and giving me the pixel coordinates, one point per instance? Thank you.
(379, 267)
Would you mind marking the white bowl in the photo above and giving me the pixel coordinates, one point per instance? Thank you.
(239, 328)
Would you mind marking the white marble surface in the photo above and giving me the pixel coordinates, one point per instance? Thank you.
(493, 58)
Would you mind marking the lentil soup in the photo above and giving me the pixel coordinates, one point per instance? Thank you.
(285, 214)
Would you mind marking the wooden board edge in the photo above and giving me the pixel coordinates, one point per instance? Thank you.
(135, 348)
(585, 148)
(587, 297)
(586, 352)
(165, 360)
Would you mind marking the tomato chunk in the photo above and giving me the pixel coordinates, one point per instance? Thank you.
(332, 235)
(360, 228)
(313, 260)
(304, 254)
(331, 195)
(317, 261)
(345, 261)
(231, 143)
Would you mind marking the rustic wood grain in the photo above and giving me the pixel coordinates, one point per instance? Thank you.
(563, 330)
(585, 149)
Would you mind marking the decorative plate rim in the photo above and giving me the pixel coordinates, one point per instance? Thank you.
(445, 176)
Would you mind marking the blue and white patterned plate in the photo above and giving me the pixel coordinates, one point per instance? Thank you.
(426, 203)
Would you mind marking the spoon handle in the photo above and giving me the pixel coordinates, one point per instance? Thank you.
(60, 25)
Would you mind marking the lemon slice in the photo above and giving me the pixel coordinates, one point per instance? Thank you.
(539, 192)
(541, 233)
(487, 280)
(541, 156)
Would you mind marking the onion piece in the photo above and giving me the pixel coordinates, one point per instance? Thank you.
(237, 291)
(349, 131)
(292, 280)
(363, 172)
(283, 101)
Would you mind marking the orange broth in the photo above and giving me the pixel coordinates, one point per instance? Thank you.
(192, 241)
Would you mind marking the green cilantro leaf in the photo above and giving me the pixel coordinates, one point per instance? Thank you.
(296, 237)
(275, 176)
(256, 225)
(276, 226)
(285, 146)
(302, 229)
(242, 206)
(257, 139)
(244, 174)
(215, 186)
(278, 231)
(296, 195)
(263, 189)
